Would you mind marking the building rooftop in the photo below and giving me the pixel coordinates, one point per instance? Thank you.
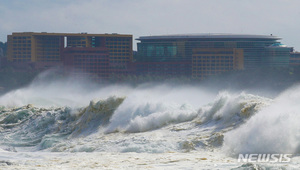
(209, 36)
(69, 34)
(276, 45)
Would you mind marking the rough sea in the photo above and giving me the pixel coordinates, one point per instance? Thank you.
(69, 124)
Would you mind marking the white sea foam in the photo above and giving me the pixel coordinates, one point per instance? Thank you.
(145, 119)
(274, 129)
(232, 108)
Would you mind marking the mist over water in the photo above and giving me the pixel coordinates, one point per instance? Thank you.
(47, 90)
(274, 129)
(65, 114)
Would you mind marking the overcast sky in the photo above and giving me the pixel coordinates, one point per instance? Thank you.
(154, 17)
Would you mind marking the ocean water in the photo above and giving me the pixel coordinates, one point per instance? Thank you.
(71, 124)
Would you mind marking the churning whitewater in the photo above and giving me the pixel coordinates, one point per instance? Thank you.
(68, 117)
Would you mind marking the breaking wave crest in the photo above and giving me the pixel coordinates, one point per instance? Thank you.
(59, 116)
(42, 128)
(113, 123)
(232, 109)
(274, 129)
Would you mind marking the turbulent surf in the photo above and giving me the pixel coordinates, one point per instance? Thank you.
(146, 120)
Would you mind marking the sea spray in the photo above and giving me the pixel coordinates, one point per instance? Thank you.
(166, 117)
(42, 128)
(47, 91)
(95, 115)
(230, 109)
(151, 116)
(274, 129)
(153, 107)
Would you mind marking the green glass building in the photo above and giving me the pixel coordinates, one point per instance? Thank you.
(258, 50)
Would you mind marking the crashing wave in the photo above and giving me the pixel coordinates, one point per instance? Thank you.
(96, 114)
(29, 126)
(274, 129)
(183, 127)
(232, 109)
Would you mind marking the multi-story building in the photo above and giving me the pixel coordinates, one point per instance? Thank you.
(87, 61)
(167, 69)
(32, 47)
(295, 59)
(277, 55)
(44, 49)
(207, 62)
(254, 50)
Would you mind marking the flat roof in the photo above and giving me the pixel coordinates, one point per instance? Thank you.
(209, 36)
(69, 34)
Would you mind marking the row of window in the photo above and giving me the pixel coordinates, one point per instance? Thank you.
(91, 61)
(48, 46)
(118, 39)
(87, 52)
(91, 56)
(120, 58)
(21, 45)
(112, 54)
(22, 41)
(294, 61)
(21, 37)
(117, 43)
(118, 50)
(113, 62)
(213, 67)
(98, 67)
(21, 49)
(204, 62)
(211, 72)
(22, 52)
(48, 57)
(21, 56)
(76, 42)
(212, 57)
(214, 52)
(21, 60)
(75, 38)
(48, 60)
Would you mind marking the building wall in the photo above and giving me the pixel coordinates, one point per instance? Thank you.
(277, 57)
(87, 61)
(44, 47)
(164, 69)
(19, 48)
(162, 51)
(294, 59)
(156, 49)
(212, 61)
(120, 49)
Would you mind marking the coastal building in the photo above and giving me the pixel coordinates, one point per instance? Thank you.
(33, 47)
(164, 69)
(207, 62)
(48, 49)
(87, 61)
(294, 59)
(207, 54)
(277, 55)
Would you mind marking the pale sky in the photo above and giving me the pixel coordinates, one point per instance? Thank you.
(153, 17)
